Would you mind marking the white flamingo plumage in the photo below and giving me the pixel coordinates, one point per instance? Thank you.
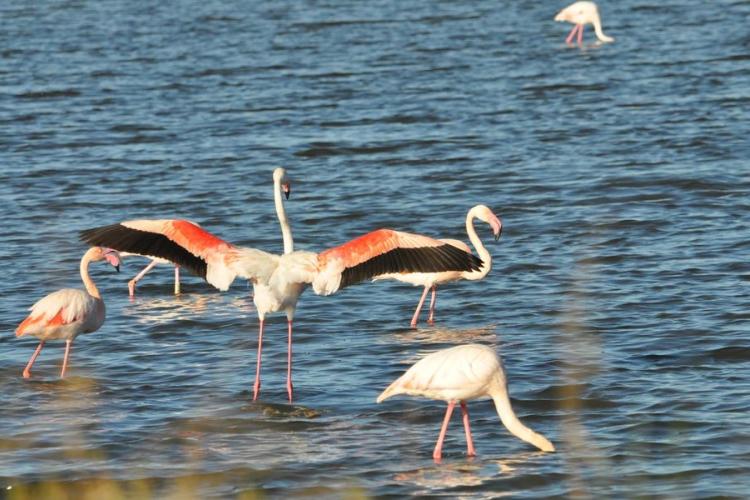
(279, 280)
(580, 14)
(460, 374)
(430, 281)
(66, 313)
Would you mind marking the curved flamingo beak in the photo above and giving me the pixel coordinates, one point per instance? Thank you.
(497, 228)
(113, 257)
(287, 189)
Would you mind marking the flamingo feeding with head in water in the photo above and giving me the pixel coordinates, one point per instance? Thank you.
(580, 14)
(279, 280)
(432, 280)
(66, 313)
(457, 375)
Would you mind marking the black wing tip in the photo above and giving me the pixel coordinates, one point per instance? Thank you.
(413, 260)
(146, 243)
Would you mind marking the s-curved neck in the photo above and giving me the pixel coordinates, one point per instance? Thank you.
(286, 231)
(479, 247)
(87, 281)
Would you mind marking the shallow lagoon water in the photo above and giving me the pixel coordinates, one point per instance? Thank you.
(618, 295)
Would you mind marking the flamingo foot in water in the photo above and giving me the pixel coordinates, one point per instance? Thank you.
(256, 386)
(572, 33)
(470, 451)
(27, 370)
(438, 451)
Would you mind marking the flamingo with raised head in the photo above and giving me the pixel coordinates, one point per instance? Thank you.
(430, 281)
(279, 280)
(460, 374)
(66, 313)
(580, 14)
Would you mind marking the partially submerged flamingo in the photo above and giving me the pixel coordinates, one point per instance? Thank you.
(279, 280)
(457, 375)
(580, 14)
(432, 280)
(66, 313)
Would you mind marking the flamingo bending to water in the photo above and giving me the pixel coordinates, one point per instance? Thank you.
(66, 313)
(432, 280)
(580, 14)
(279, 280)
(460, 374)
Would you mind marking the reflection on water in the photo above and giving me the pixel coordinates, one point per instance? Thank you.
(160, 309)
(469, 472)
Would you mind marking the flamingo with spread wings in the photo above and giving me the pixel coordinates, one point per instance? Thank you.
(430, 281)
(66, 313)
(459, 374)
(279, 280)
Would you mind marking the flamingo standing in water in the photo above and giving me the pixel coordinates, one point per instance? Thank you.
(279, 280)
(460, 374)
(580, 14)
(432, 280)
(66, 313)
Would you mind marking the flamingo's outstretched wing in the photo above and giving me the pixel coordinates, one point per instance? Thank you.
(180, 241)
(59, 308)
(387, 251)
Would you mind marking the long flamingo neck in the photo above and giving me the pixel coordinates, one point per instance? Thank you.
(87, 281)
(511, 422)
(286, 231)
(598, 31)
(479, 247)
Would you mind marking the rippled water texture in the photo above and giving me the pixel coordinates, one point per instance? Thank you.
(619, 290)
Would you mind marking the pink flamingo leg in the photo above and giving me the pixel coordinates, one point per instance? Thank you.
(131, 283)
(431, 318)
(580, 34)
(572, 33)
(289, 388)
(469, 442)
(415, 318)
(438, 452)
(256, 386)
(176, 279)
(27, 370)
(65, 359)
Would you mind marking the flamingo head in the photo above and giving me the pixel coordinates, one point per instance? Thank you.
(486, 215)
(112, 256)
(279, 175)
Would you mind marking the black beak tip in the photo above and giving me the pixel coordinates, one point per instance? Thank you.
(117, 268)
(286, 194)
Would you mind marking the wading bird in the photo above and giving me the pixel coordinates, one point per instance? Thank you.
(460, 374)
(580, 14)
(432, 280)
(66, 313)
(279, 280)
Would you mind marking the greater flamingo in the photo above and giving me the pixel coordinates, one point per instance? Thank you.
(279, 280)
(66, 313)
(460, 374)
(580, 14)
(432, 280)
